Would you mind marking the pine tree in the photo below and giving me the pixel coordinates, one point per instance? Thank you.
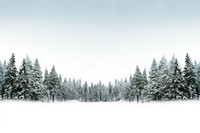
(190, 78)
(46, 78)
(137, 84)
(91, 89)
(1, 77)
(145, 83)
(126, 91)
(153, 85)
(60, 90)
(22, 87)
(46, 93)
(9, 82)
(176, 89)
(116, 90)
(110, 90)
(70, 90)
(85, 92)
(53, 83)
(122, 88)
(37, 82)
(163, 77)
(25, 81)
(197, 68)
(130, 90)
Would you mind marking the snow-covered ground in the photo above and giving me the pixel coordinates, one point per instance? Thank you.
(119, 117)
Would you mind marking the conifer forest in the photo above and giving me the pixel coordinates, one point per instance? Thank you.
(165, 81)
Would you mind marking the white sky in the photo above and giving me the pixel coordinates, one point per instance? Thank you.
(95, 46)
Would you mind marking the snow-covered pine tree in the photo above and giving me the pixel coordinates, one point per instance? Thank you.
(137, 84)
(176, 89)
(46, 77)
(71, 91)
(116, 90)
(163, 77)
(99, 95)
(60, 91)
(9, 82)
(103, 92)
(144, 77)
(37, 82)
(130, 90)
(153, 85)
(46, 93)
(53, 83)
(23, 89)
(126, 93)
(30, 76)
(197, 72)
(190, 78)
(77, 89)
(91, 89)
(1, 77)
(110, 91)
(145, 83)
(85, 91)
(122, 88)
(65, 89)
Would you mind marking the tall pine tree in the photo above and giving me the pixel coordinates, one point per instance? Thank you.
(190, 78)
(138, 84)
(53, 83)
(153, 85)
(163, 76)
(37, 82)
(9, 82)
(176, 88)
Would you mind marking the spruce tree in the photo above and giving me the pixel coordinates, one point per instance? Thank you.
(145, 83)
(126, 93)
(190, 78)
(130, 90)
(37, 82)
(163, 77)
(53, 83)
(138, 84)
(1, 77)
(153, 85)
(85, 92)
(60, 90)
(9, 82)
(22, 86)
(110, 90)
(176, 89)
(46, 93)
(198, 77)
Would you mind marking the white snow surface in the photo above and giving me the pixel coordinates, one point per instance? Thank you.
(114, 117)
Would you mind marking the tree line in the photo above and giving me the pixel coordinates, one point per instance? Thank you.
(165, 81)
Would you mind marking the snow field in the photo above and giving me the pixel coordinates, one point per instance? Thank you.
(114, 117)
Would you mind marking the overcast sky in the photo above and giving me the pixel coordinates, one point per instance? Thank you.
(99, 39)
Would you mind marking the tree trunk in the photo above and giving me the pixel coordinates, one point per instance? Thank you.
(53, 98)
(137, 98)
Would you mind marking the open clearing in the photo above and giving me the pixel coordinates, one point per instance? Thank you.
(116, 117)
